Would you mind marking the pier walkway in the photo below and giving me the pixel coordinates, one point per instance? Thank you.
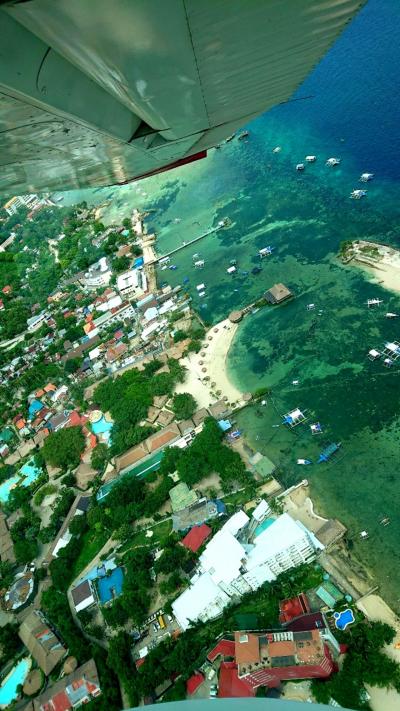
(187, 244)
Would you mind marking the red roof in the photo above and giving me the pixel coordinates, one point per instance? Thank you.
(224, 648)
(60, 702)
(74, 418)
(196, 537)
(139, 662)
(230, 686)
(194, 682)
(92, 441)
(292, 608)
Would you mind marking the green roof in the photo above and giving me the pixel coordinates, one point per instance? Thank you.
(246, 621)
(182, 497)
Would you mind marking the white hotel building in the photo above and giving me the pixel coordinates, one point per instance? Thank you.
(237, 560)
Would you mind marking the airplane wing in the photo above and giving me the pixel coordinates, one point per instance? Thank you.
(102, 92)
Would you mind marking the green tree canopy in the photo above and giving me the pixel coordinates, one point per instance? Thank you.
(64, 448)
(183, 405)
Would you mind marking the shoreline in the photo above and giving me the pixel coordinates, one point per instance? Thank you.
(211, 363)
(380, 261)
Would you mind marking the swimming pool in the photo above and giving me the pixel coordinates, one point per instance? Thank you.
(344, 618)
(263, 526)
(110, 586)
(17, 675)
(26, 476)
(30, 472)
(102, 427)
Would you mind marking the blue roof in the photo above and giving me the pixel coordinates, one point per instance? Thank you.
(221, 508)
(34, 407)
(225, 425)
(139, 261)
(110, 587)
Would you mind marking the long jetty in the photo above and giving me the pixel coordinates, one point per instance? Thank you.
(187, 244)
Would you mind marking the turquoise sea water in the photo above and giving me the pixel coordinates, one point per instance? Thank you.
(8, 689)
(347, 108)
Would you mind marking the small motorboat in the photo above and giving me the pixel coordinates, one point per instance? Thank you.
(366, 177)
(331, 162)
(243, 135)
(230, 138)
(300, 167)
(374, 302)
(358, 194)
(384, 521)
(265, 251)
(311, 159)
(277, 149)
(364, 535)
(391, 315)
(304, 461)
(310, 307)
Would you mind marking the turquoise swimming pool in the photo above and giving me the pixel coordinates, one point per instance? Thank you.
(263, 526)
(102, 427)
(17, 675)
(26, 476)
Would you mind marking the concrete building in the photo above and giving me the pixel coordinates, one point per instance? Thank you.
(113, 316)
(132, 282)
(35, 322)
(242, 556)
(98, 274)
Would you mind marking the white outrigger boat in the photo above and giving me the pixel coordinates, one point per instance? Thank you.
(366, 177)
(311, 159)
(300, 166)
(277, 149)
(391, 315)
(331, 162)
(358, 194)
(374, 302)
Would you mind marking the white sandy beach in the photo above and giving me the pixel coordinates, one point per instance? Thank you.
(212, 365)
(384, 269)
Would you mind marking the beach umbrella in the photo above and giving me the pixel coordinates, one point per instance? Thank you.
(202, 354)
(247, 397)
(219, 392)
(210, 338)
(216, 330)
(204, 370)
(213, 385)
(201, 362)
(225, 398)
(207, 378)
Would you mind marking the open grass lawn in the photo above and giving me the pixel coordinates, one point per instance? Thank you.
(92, 543)
(161, 531)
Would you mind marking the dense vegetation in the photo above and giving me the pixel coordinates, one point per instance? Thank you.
(205, 455)
(129, 396)
(364, 663)
(183, 405)
(63, 449)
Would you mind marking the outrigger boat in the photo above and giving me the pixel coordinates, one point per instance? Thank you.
(300, 167)
(366, 177)
(329, 451)
(277, 149)
(358, 194)
(243, 135)
(311, 159)
(332, 162)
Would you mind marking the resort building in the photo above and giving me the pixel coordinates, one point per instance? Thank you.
(35, 322)
(98, 274)
(277, 294)
(113, 316)
(83, 596)
(267, 658)
(132, 282)
(243, 554)
(31, 202)
(78, 508)
(41, 641)
(70, 692)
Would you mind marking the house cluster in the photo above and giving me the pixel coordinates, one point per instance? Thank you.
(32, 203)
(243, 554)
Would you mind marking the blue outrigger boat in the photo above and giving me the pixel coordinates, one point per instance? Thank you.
(329, 451)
